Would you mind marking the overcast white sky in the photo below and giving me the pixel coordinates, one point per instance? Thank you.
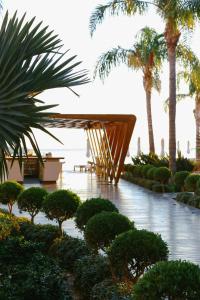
(122, 92)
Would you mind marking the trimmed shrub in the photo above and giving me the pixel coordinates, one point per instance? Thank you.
(162, 174)
(169, 280)
(134, 251)
(67, 250)
(184, 197)
(108, 290)
(102, 228)
(150, 173)
(39, 279)
(30, 200)
(61, 205)
(179, 179)
(91, 207)
(9, 192)
(194, 201)
(191, 182)
(44, 234)
(89, 271)
(8, 224)
(145, 170)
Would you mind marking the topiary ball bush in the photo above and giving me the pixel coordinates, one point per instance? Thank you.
(61, 205)
(102, 228)
(108, 290)
(150, 172)
(89, 271)
(162, 174)
(67, 250)
(179, 179)
(191, 182)
(145, 170)
(134, 251)
(169, 280)
(91, 207)
(30, 200)
(9, 191)
(184, 197)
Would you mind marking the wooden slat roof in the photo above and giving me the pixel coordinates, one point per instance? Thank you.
(87, 120)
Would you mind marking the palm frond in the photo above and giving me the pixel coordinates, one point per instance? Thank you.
(110, 59)
(30, 62)
(179, 97)
(113, 8)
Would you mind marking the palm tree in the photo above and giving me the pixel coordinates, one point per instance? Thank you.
(30, 62)
(145, 55)
(177, 14)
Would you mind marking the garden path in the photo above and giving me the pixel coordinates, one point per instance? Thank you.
(178, 224)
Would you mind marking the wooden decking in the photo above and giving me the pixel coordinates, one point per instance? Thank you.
(178, 224)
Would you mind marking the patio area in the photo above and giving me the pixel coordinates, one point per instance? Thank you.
(178, 224)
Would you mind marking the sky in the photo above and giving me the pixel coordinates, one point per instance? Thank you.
(122, 92)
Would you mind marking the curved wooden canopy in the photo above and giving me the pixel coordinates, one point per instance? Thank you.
(109, 137)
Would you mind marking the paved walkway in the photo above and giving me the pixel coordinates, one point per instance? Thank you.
(178, 224)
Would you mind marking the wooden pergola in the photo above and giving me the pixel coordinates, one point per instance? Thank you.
(109, 137)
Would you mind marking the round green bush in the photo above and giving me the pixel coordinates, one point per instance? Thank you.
(61, 205)
(184, 197)
(191, 182)
(102, 229)
(9, 191)
(145, 170)
(108, 290)
(134, 251)
(162, 174)
(179, 179)
(41, 233)
(150, 172)
(169, 280)
(89, 271)
(91, 207)
(30, 200)
(67, 250)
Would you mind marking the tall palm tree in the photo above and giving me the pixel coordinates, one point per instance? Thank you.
(145, 55)
(30, 62)
(177, 14)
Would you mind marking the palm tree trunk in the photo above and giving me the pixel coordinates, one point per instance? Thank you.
(149, 120)
(197, 121)
(172, 38)
(172, 108)
(147, 83)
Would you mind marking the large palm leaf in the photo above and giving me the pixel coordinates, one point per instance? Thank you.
(30, 62)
